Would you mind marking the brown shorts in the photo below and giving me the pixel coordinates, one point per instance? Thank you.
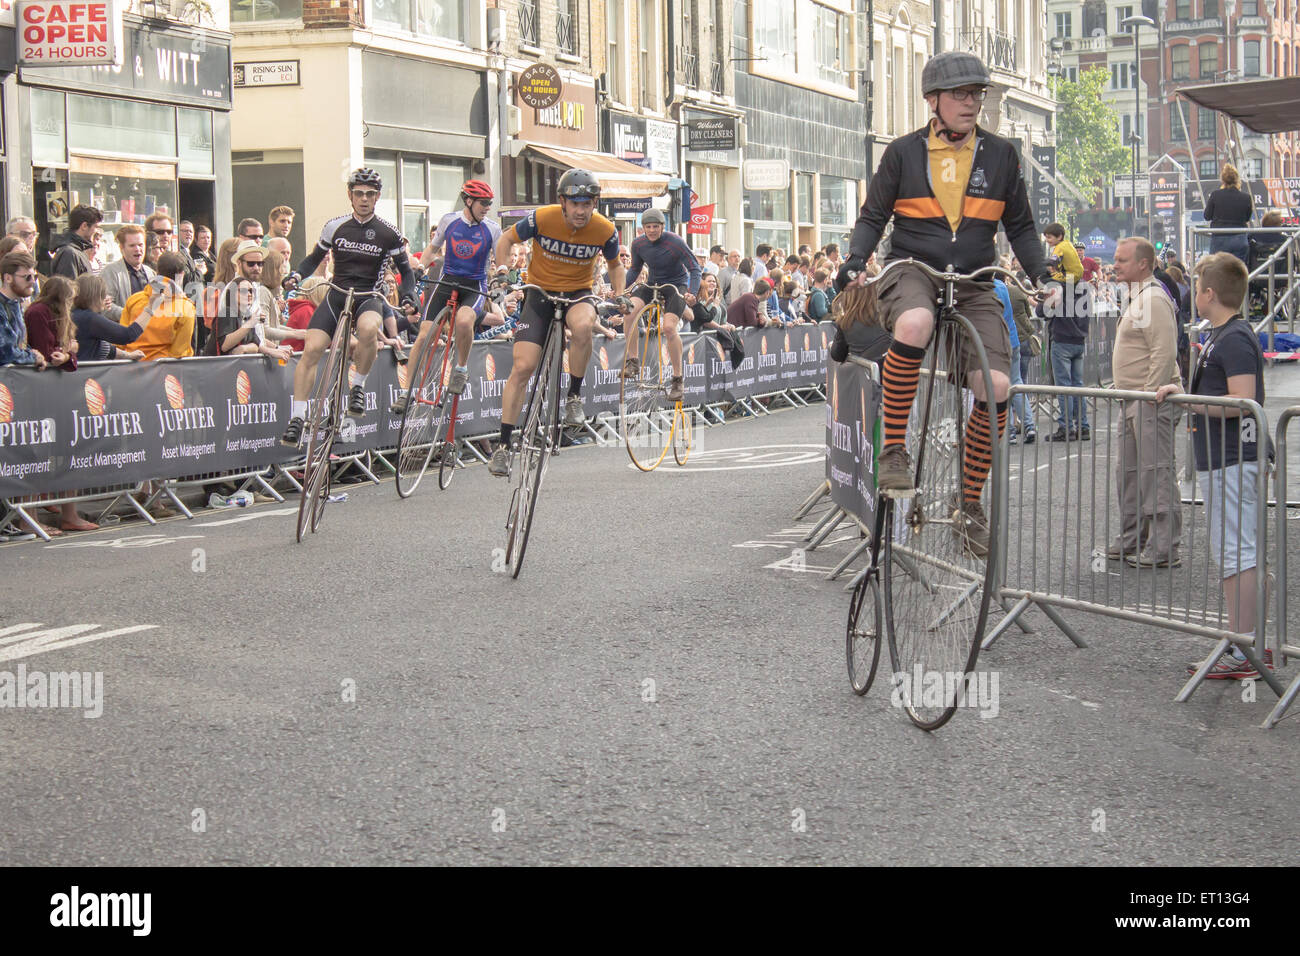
(906, 287)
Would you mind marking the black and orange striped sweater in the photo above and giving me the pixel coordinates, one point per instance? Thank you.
(995, 193)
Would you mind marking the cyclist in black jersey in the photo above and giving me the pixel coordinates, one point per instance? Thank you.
(360, 244)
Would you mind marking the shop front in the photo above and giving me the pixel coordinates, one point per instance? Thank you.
(712, 142)
(650, 144)
(152, 135)
(566, 136)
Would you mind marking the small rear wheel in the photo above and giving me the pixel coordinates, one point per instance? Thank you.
(642, 395)
(864, 632)
(683, 434)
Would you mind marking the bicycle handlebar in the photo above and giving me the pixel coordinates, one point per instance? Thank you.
(952, 276)
(558, 299)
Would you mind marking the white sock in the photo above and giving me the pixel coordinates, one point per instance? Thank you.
(298, 409)
(462, 368)
(359, 379)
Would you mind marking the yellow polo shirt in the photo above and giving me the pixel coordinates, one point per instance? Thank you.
(949, 174)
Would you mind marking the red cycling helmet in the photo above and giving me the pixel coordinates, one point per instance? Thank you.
(476, 189)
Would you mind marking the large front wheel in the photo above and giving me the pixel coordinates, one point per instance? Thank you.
(936, 585)
(535, 438)
(642, 398)
(425, 420)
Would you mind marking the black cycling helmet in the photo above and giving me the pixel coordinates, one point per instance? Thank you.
(365, 177)
(579, 184)
(653, 215)
(952, 71)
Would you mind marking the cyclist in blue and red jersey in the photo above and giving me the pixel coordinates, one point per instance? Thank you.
(670, 262)
(466, 240)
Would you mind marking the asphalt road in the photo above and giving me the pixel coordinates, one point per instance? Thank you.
(660, 686)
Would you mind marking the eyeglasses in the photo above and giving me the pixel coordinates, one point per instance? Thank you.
(965, 96)
(485, 203)
(162, 232)
(25, 276)
(254, 263)
(255, 237)
(366, 193)
(584, 191)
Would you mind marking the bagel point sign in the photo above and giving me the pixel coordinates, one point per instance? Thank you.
(68, 32)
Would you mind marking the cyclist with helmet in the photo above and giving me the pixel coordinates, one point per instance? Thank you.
(946, 186)
(669, 261)
(360, 243)
(568, 239)
(469, 239)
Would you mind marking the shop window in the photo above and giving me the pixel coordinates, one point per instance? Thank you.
(194, 141)
(125, 192)
(386, 208)
(767, 204)
(256, 11)
(837, 204)
(774, 38)
(121, 127)
(49, 129)
(803, 198)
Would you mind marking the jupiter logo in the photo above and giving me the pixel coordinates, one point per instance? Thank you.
(787, 341)
(763, 347)
(352, 374)
(175, 394)
(835, 398)
(94, 397)
(690, 354)
(491, 368)
(604, 359)
(243, 388)
(6, 406)
(823, 338)
(807, 342)
(718, 346)
(566, 362)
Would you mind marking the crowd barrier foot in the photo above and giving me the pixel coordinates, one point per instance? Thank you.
(1012, 617)
(382, 459)
(1220, 649)
(822, 530)
(1023, 603)
(717, 411)
(810, 502)
(857, 552)
(1283, 704)
(340, 464)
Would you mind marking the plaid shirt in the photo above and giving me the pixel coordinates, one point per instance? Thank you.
(12, 333)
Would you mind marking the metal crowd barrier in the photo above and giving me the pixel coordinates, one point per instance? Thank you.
(17, 508)
(1288, 643)
(1062, 524)
(1280, 307)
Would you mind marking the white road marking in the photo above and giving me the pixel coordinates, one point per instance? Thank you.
(140, 541)
(750, 457)
(273, 512)
(30, 642)
(1085, 703)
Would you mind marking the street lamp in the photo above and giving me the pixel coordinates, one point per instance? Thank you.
(1136, 22)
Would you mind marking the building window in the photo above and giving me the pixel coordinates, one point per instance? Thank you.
(1211, 9)
(49, 129)
(1205, 122)
(1119, 76)
(774, 38)
(194, 141)
(1122, 14)
(1209, 60)
(259, 11)
(1250, 8)
(1250, 62)
(1181, 62)
(1253, 169)
(1177, 123)
(1183, 10)
(426, 189)
(650, 58)
(528, 33)
(121, 126)
(1072, 73)
(831, 38)
(1207, 169)
(427, 18)
(615, 64)
(1065, 25)
(566, 28)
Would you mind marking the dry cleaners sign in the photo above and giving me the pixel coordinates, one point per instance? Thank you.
(68, 33)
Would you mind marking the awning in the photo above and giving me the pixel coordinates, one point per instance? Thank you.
(619, 179)
(1265, 106)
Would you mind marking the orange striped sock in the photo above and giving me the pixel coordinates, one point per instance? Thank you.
(899, 376)
(978, 459)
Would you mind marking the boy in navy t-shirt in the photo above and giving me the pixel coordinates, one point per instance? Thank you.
(1227, 445)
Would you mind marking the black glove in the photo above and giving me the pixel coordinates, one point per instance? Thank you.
(623, 302)
(412, 303)
(291, 281)
(849, 270)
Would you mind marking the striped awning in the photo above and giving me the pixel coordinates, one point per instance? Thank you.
(619, 179)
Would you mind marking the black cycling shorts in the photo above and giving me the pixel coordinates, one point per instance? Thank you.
(537, 312)
(442, 295)
(674, 304)
(326, 316)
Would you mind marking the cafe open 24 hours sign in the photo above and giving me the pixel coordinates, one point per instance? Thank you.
(68, 33)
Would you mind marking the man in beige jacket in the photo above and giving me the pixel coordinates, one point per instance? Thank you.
(1146, 358)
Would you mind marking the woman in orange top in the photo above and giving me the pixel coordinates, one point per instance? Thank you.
(164, 313)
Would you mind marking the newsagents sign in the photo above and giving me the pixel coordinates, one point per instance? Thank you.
(68, 33)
